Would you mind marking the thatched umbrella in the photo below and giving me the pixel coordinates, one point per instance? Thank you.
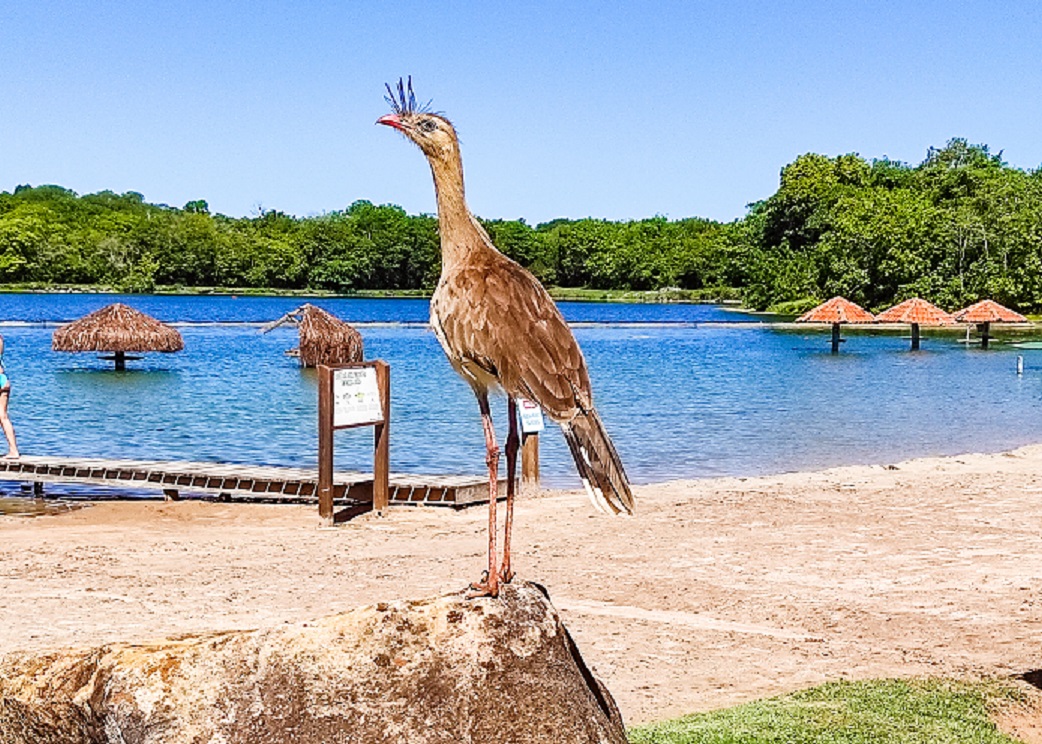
(983, 314)
(836, 311)
(117, 329)
(324, 338)
(915, 312)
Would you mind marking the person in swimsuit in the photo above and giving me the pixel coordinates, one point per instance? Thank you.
(5, 420)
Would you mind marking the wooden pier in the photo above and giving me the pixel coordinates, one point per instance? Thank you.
(230, 481)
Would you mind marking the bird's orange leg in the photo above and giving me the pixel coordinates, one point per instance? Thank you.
(489, 587)
(513, 442)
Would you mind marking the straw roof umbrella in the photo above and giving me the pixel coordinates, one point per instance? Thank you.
(984, 313)
(324, 338)
(836, 311)
(117, 329)
(915, 312)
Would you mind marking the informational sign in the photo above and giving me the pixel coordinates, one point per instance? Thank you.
(356, 397)
(531, 416)
(352, 395)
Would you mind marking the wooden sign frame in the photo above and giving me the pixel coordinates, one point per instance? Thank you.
(381, 427)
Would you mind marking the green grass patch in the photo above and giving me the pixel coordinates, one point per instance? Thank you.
(793, 307)
(893, 711)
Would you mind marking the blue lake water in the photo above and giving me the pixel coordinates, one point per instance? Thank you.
(687, 391)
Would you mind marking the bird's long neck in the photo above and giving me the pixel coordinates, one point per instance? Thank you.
(460, 232)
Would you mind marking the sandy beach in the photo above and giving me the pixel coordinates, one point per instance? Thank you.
(719, 591)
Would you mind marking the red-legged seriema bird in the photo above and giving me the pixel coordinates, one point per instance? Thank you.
(501, 331)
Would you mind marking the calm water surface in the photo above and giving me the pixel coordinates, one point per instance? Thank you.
(687, 391)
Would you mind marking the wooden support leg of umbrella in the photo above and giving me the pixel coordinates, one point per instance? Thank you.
(915, 337)
(835, 338)
(984, 328)
(121, 361)
(513, 443)
(489, 586)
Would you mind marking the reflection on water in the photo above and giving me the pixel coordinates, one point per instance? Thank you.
(13, 506)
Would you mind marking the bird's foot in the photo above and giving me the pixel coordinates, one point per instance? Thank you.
(506, 575)
(486, 587)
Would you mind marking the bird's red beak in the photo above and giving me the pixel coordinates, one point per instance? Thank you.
(391, 120)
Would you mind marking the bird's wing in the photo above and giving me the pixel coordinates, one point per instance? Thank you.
(498, 317)
(494, 319)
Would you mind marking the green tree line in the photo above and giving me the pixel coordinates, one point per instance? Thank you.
(959, 226)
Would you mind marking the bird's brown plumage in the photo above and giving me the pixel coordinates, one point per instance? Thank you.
(497, 324)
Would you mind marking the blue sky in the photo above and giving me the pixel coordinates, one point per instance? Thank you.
(565, 109)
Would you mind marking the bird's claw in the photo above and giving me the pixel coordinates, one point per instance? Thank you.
(483, 588)
(506, 576)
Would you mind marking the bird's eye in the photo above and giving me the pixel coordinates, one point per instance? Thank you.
(427, 125)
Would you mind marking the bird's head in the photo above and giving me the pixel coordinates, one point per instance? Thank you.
(432, 133)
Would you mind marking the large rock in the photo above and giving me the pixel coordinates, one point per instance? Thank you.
(440, 670)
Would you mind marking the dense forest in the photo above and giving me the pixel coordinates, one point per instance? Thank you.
(957, 227)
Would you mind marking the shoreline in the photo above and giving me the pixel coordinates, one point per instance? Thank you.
(719, 591)
(115, 494)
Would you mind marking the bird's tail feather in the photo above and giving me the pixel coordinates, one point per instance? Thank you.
(598, 463)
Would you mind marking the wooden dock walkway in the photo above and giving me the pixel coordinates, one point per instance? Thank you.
(241, 481)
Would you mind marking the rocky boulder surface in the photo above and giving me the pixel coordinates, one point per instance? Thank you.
(446, 669)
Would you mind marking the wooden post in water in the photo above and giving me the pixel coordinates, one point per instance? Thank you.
(984, 328)
(835, 338)
(119, 359)
(915, 337)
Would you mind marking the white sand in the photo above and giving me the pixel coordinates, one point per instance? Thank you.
(719, 591)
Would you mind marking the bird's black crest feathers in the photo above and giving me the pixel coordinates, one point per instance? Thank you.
(405, 101)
